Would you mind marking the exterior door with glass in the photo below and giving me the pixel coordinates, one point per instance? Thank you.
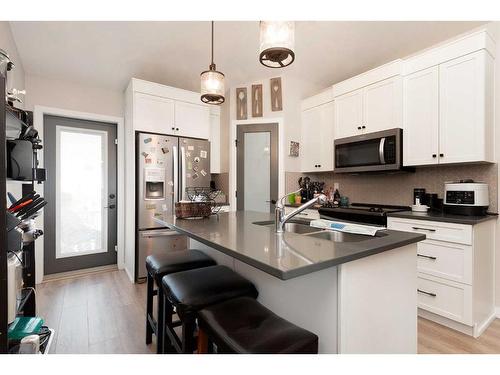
(80, 217)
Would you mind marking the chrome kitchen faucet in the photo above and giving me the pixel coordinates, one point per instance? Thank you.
(280, 217)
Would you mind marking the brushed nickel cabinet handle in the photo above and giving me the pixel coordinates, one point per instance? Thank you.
(426, 256)
(427, 229)
(426, 293)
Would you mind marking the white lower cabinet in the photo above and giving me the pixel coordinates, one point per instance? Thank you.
(446, 298)
(455, 282)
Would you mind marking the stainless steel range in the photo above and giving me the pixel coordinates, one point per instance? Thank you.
(368, 213)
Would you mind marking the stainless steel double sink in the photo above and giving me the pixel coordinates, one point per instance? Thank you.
(302, 227)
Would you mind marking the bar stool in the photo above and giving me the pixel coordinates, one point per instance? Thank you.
(190, 291)
(157, 266)
(243, 325)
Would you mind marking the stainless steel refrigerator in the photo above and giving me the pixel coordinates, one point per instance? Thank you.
(166, 166)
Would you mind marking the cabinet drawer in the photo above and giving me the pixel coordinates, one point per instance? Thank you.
(434, 230)
(446, 260)
(446, 298)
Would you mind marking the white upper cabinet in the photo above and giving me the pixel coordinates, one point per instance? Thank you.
(153, 113)
(192, 120)
(369, 109)
(466, 112)
(382, 105)
(369, 102)
(448, 112)
(349, 114)
(420, 117)
(317, 138)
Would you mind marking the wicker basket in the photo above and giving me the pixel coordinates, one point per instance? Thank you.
(185, 210)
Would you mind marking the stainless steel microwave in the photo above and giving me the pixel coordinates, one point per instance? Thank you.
(371, 152)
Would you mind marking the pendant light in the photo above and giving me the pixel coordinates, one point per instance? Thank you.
(212, 81)
(277, 42)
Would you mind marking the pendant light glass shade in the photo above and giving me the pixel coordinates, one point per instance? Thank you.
(277, 43)
(212, 86)
(212, 82)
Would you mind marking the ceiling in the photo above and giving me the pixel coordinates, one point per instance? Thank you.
(108, 54)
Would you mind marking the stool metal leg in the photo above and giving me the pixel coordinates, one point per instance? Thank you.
(149, 309)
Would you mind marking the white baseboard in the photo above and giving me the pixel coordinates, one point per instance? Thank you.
(131, 278)
(480, 329)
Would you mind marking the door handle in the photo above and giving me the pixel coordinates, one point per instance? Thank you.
(175, 155)
(381, 150)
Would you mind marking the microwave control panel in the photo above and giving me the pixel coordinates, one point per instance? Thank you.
(460, 197)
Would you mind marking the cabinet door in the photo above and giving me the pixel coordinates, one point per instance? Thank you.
(382, 105)
(310, 149)
(192, 120)
(462, 98)
(215, 149)
(317, 138)
(421, 117)
(325, 134)
(348, 114)
(153, 113)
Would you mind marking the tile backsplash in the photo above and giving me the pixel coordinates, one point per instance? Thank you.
(221, 182)
(398, 188)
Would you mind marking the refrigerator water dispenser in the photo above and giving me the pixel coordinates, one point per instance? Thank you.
(154, 180)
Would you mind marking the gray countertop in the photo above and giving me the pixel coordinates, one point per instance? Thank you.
(442, 217)
(284, 256)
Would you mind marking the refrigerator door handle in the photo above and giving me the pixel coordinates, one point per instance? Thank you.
(183, 173)
(175, 155)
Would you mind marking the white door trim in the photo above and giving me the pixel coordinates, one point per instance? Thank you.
(232, 155)
(38, 114)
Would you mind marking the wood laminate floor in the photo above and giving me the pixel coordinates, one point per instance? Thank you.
(105, 313)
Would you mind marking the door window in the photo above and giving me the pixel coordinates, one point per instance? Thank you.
(81, 191)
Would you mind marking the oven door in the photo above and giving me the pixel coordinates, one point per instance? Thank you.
(380, 151)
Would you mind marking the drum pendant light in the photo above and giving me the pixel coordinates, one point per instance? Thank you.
(277, 42)
(212, 81)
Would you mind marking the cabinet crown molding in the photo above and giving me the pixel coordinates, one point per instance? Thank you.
(377, 74)
(449, 50)
(169, 92)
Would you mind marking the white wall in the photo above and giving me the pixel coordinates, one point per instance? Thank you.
(293, 90)
(72, 96)
(16, 76)
(494, 30)
(15, 79)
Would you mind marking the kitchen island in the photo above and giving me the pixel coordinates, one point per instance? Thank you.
(357, 293)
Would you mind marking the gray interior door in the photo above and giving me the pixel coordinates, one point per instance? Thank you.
(80, 217)
(257, 167)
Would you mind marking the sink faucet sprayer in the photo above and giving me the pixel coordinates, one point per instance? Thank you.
(280, 217)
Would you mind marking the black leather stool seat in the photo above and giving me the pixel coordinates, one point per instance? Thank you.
(243, 325)
(159, 265)
(189, 291)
